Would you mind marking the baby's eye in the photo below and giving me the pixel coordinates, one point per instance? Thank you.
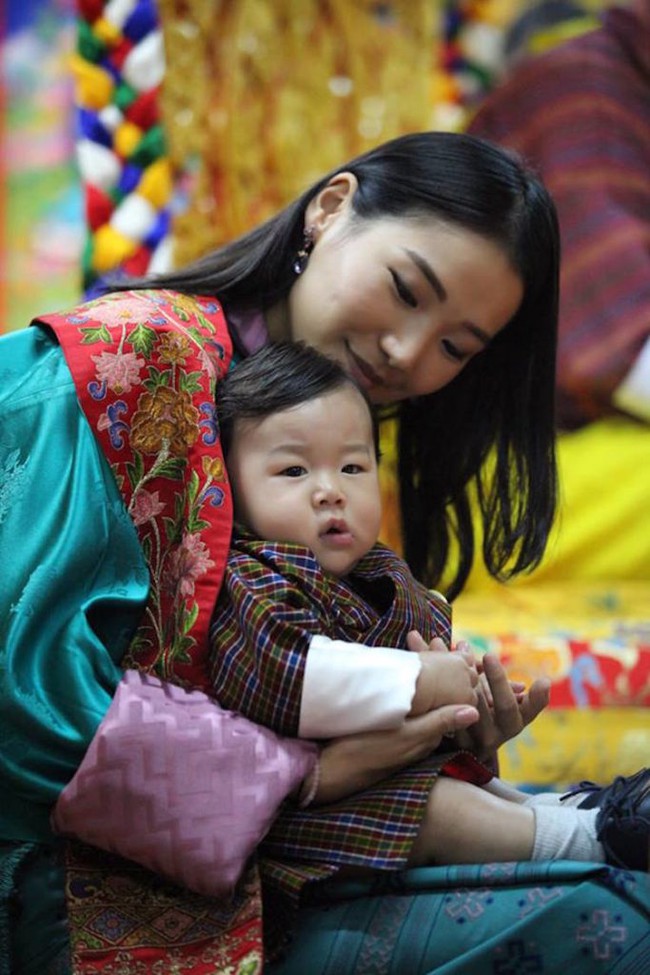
(294, 471)
(353, 469)
(404, 292)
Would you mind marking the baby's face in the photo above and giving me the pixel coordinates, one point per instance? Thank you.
(309, 475)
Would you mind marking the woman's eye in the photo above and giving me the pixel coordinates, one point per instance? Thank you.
(403, 291)
(294, 471)
(453, 351)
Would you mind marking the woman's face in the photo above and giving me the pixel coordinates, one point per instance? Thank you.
(402, 304)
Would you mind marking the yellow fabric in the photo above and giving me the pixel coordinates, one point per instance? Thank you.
(567, 745)
(549, 629)
(605, 614)
(593, 588)
(126, 137)
(93, 85)
(602, 533)
(106, 31)
(261, 98)
(156, 183)
(111, 247)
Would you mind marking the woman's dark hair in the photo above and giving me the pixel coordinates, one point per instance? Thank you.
(276, 378)
(501, 404)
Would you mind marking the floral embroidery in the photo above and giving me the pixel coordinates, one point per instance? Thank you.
(215, 495)
(110, 420)
(165, 422)
(214, 470)
(187, 563)
(177, 931)
(213, 467)
(174, 348)
(146, 366)
(208, 423)
(146, 505)
(119, 371)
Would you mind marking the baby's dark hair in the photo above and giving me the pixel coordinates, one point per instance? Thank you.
(277, 377)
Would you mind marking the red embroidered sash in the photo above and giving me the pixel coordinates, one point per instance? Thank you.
(145, 366)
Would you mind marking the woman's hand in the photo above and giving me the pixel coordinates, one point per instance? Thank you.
(504, 709)
(353, 763)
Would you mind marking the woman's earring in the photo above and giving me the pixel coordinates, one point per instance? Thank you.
(300, 263)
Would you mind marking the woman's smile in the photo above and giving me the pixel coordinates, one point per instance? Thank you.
(362, 371)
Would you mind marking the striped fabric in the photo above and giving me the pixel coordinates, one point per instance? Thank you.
(581, 114)
(375, 828)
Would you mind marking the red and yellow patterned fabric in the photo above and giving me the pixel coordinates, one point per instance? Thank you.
(146, 366)
(593, 641)
(126, 919)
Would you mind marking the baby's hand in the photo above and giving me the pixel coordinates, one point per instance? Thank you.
(446, 677)
(484, 690)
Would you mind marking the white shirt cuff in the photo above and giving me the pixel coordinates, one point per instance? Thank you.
(633, 395)
(349, 687)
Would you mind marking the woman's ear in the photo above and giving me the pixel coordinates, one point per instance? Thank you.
(334, 200)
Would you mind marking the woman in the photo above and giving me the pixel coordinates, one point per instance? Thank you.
(430, 259)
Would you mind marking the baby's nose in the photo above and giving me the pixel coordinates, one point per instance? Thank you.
(329, 492)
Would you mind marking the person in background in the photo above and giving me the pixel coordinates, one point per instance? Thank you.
(578, 112)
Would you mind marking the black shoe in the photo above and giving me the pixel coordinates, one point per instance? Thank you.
(623, 820)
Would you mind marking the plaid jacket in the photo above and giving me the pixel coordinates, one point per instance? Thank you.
(275, 598)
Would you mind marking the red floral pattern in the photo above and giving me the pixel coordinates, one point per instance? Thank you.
(170, 931)
(146, 365)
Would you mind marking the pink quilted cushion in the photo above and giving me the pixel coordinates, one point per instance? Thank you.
(179, 785)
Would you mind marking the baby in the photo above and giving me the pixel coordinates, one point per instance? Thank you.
(309, 638)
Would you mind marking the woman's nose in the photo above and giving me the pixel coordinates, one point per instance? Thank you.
(403, 350)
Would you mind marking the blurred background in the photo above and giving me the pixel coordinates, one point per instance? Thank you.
(259, 97)
(42, 212)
